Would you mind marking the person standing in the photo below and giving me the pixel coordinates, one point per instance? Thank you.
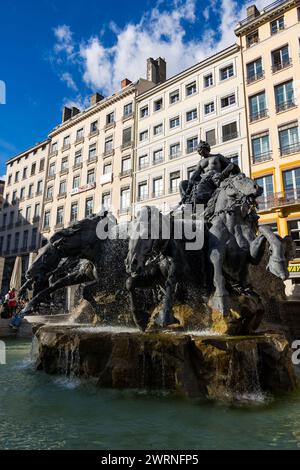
(12, 302)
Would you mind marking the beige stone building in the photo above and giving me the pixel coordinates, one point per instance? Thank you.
(90, 159)
(269, 41)
(22, 206)
(205, 102)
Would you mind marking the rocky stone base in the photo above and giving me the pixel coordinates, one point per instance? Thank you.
(216, 367)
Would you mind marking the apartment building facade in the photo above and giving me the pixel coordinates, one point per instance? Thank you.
(269, 41)
(205, 102)
(22, 207)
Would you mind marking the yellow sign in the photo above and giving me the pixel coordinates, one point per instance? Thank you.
(294, 268)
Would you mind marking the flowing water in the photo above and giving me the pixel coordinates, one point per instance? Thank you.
(42, 412)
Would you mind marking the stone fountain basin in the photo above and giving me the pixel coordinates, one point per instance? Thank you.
(192, 364)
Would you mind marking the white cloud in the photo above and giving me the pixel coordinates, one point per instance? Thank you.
(160, 32)
(68, 79)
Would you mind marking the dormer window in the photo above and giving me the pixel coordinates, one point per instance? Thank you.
(252, 38)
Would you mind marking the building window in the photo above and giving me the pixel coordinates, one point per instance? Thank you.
(228, 101)
(174, 182)
(17, 176)
(79, 135)
(158, 105)
(284, 96)
(158, 130)
(22, 194)
(28, 213)
(92, 152)
(107, 169)
(54, 147)
(76, 182)
(192, 145)
(226, 72)
(143, 162)
(14, 197)
(60, 216)
(47, 220)
(266, 182)
(261, 147)
(9, 180)
(30, 190)
(89, 207)
(158, 157)
(106, 199)
(254, 71)
(51, 170)
(1, 244)
(174, 97)
(78, 158)
(294, 231)
(210, 137)
(191, 89)
(291, 182)
(144, 136)
(37, 211)
(25, 240)
(11, 218)
(63, 188)
(127, 136)
(126, 166)
(143, 191)
(289, 139)
(252, 38)
(229, 131)
(174, 122)
(110, 119)
(174, 150)
(42, 165)
(158, 187)
(49, 194)
(235, 159)
(208, 80)
(64, 164)
(125, 200)
(128, 110)
(191, 115)
(17, 241)
(66, 143)
(34, 236)
(74, 212)
(4, 220)
(280, 59)
(24, 175)
(8, 243)
(109, 145)
(209, 108)
(39, 188)
(91, 177)
(257, 106)
(277, 25)
(94, 127)
(33, 169)
(144, 112)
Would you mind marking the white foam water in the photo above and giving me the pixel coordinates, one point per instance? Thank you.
(109, 329)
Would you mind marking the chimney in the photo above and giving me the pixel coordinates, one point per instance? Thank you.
(125, 83)
(95, 98)
(252, 11)
(156, 70)
(67, 114)
(75, 111)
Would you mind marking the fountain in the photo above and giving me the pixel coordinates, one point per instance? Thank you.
(173, 313)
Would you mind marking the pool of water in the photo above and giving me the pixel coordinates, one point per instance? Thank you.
(42, 412)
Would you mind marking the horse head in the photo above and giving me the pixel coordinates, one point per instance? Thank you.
(46, 261)
(144, 241)
(241, 186)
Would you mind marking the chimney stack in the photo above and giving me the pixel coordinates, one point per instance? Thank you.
(125, 83)
(75, 111)
(66, 114)
(95, 98)
(252, 11)
(156, 70)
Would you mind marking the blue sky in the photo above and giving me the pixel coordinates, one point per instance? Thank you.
(59, 52)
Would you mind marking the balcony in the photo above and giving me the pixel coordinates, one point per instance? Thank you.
(79, 140)
(277, 200)
(259, 115)
(232, 136)
(143, 166)
(143, 197)
(108, 153)
(39, 193)
(289, 150)
(51, 177)
(281, 65)
(65, 147)
(284, 106)
(173, 156)
(262, 157)
(91, 160)
(190, 150)
(125, 173)
(158, 161)
(127, 145)
(78, 166)
(62, 196)
(157, 194)
(105, 179)
(128, 116)
(64, 172)
(109, 125)
(53, 154)
(59, 226)
(94, 133)
(48, 199)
